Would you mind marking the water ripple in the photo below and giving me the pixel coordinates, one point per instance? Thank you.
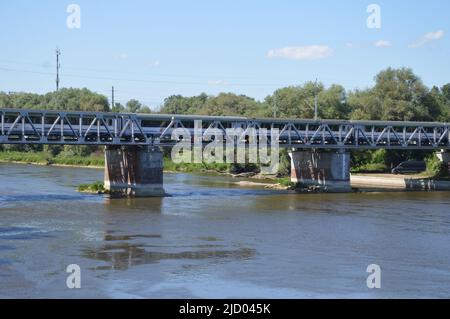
(22, 233)
(46, 198)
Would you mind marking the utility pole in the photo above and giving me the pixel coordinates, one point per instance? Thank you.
(57, 68)
(315, 101)
(112, 97)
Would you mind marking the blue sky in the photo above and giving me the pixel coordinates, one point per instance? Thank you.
(151, 49)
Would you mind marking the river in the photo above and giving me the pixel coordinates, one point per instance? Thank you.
(212, 239)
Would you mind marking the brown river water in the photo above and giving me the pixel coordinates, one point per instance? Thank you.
(213, 239)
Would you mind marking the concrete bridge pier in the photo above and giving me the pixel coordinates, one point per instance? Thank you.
(327, 169)
(134, 171)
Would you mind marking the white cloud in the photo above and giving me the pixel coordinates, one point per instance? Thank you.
(217, 82)
(122, 56)
(153, 64)
(309, 52)
(434, 35)
(382, 44)
(429, 37)
(353, 45)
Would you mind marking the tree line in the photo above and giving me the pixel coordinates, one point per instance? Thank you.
(398, 95)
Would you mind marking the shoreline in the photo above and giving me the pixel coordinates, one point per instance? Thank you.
(50, 165)
(102, 167)
(367, 181)
(391, 182)
(266, 182)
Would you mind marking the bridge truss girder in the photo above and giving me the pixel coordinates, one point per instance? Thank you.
(22, 126)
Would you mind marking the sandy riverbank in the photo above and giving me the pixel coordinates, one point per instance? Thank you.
(397, 182)
(372, 181)
(273, 185)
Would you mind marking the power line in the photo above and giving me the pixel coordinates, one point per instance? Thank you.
(138, 80)
(113, 79)
(160, 75)
(127, 72)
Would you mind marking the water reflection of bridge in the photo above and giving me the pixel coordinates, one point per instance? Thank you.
(124, 251)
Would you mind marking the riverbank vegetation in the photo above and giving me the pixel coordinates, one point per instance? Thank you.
(94, 188)
(397, 95)
(170, 166)
(47, 158)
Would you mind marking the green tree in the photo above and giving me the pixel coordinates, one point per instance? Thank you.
(332, 103)
(445, 103)
(294, 101)
(133, 106)
(231, 104)
(5, 100)
(400, 92)
(65, 99)
(145, 109)
(76, 100)
(364, 106)
(117, 108)
(446, 91)
(398, 95)
(178, 104)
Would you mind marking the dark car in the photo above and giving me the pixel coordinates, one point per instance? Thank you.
(410, 167)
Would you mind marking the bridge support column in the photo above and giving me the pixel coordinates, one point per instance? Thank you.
(329, 170)
(134, 171)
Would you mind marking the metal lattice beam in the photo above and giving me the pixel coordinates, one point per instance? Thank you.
(22, 126)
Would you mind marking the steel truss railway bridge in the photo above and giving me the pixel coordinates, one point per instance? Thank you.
(319, 149)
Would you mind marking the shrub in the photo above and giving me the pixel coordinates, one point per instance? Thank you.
(435, 167)
(285, 164)
(96, 187)
(379, 157)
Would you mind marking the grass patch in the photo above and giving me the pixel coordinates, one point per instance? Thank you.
(48, 159)
(370, 168)
(286, 181)
(26, 157)
(79, 160)
(169, 165)
(95, 188)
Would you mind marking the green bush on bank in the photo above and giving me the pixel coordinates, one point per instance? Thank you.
(436, 168)
(25, 157)
(96, 188)
(169, 165)
(78, 160)
(370, 168)
(369, 161)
